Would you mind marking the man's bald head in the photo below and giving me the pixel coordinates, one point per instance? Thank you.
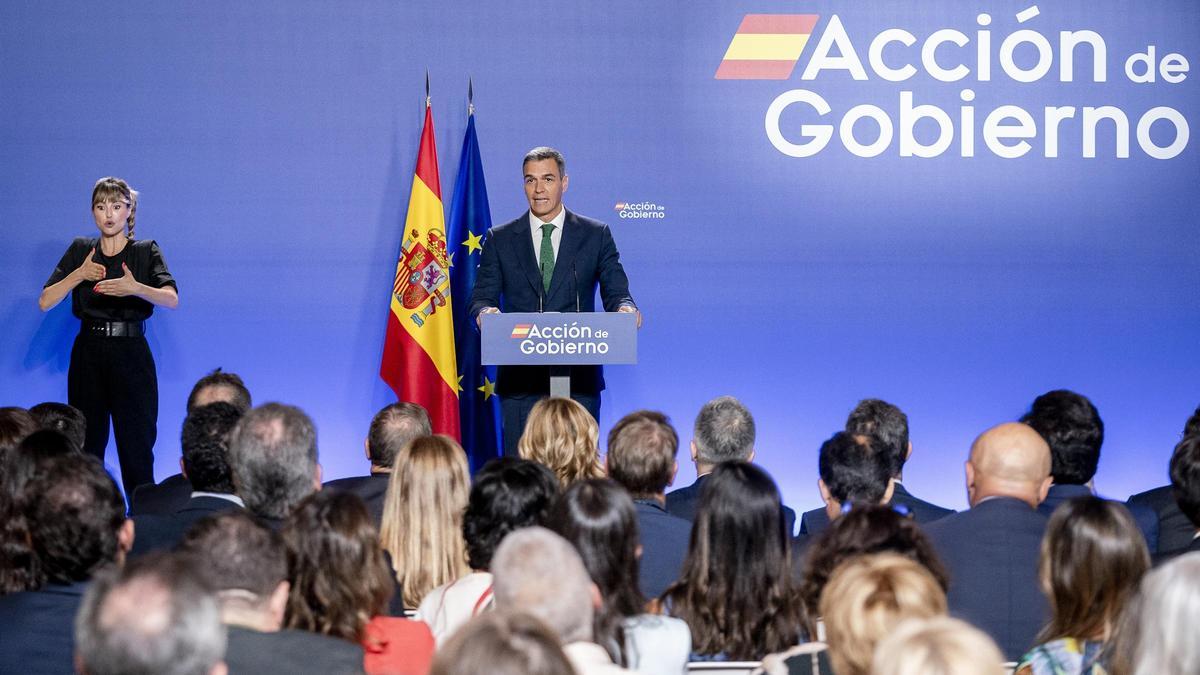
(1009, 460)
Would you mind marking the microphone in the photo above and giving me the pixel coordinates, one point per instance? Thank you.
(539, 290)
(575, 277)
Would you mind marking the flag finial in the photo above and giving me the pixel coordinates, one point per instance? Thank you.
(470, 97)
(427, 100)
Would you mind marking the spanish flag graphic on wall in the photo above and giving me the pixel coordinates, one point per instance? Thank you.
(418, 351)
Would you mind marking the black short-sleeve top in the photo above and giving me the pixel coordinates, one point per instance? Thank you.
(145, 261)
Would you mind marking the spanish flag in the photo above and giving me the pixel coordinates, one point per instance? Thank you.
(418, 352)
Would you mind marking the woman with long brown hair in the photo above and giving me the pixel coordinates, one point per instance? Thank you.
(563, 435)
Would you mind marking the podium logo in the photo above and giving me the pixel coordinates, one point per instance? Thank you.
(766, 46)
(640, 210)
(521, 331)
(564, 338)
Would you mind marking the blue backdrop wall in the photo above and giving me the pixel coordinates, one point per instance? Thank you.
(274, 143)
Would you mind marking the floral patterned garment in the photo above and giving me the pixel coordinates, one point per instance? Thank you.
(1066, 656)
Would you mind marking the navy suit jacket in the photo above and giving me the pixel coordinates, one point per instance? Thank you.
(164, 498)
(1144, 516)
(1192, 547)
(682, 503)
(37, 629)
(153, 532)
(664, 540)
(817, 521)
(1175, 531)
(991, 553)
(371, 489)
(509, 279)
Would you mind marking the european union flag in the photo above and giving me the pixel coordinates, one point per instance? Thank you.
(470, 219)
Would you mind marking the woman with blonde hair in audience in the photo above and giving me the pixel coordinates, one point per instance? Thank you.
(503, 642)
(938, 646)
(423, 516)
(1093, 556)
(1157, 631)
(563, 435)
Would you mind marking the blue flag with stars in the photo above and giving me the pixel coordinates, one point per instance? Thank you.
(470, 219)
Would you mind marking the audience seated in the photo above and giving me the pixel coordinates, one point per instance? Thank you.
(15, 425)
(155, 615)
(724, 431)
(1185, 487)
(508, 493)
(598, 517)
(341, 584)
(390, 429)
(66, 420)
(1175, 531)
(1092, 558)
(641, 457)
(888, 426)
(561, 434)
(31, 456)
(854, 471)
(77, 526)
(736, 592)
(1157, 632)
(991, 550)
(502, 643)
(538, 572)
(246, 564)
(937, 646)
(273, 460)
(423, 516)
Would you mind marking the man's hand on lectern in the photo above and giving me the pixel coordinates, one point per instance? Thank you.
(630, 309)
(487, 310)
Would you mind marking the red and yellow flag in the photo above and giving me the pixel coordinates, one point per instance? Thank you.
(418, 352)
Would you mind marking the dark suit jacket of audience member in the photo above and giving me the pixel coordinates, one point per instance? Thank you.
(664, 540)
(817, 521)
(682, 503)
(37, 630)
(1175, 531)
(371, 489)
(991, 554)
(164, 498)
(1144, 516)
(1167, 556)
(153, 532)
(290, 651)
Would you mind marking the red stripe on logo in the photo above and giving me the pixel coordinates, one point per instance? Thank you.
(755, 70)
(779, 23)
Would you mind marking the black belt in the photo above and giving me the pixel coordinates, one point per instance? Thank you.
(94, 328)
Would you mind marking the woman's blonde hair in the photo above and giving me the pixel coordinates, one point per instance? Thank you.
(563, 435)
(937, 646)
(423, 514)
(113, 189)
(864, 601)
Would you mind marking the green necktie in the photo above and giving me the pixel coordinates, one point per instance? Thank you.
(546, 256)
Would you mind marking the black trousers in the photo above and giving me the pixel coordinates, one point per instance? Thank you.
(114, 377)
(514, 412)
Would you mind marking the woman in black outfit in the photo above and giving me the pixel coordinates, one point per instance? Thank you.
(114, 283)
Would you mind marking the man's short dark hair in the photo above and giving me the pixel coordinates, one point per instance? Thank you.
(65, 419)
(153, 616)
(545, 152)
(854, 468)
(235, 551)
(1192, 426)
(273, 456)
(1072, 428)
(15, 425)
(641, 453)
(507, 494)
(394, 426)
(724, 431)
(1185, 477)
(75, 512)
(205, 444)
(887, 423)
(239, 394)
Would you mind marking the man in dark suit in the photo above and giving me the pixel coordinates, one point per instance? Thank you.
(391, 429)
(889, 426)
(1185, 484)
(205, 464)
(273, 459)
(1175, 530)
(724, 431)
(77, 526)
(991, 550)
(641, 457)
(247, 564)
(547, 260)
(1072, 428)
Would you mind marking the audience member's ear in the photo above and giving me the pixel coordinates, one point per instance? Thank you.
(182, 468)
(694, 453)
(969, 469)
(751, 457)
(833, 508)
(367, 449)
(219, 669)
(317, 477)
(891, 490)
(1044, 488)
(637, 552)
(908, 453)
(277, 604)
(597, 601)
(125, 537)
(674, 472)
(607, 468)
(826, 495)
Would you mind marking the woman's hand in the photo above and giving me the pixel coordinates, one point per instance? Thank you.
(90, 270)
(120, 287)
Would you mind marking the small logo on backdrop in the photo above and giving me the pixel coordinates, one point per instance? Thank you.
(766, 46)
(521, 331)
(640, 210)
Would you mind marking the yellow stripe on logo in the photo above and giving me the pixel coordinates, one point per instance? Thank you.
(766, 47)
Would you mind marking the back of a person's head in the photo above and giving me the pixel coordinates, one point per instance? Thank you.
(502, 643)
(220, 386)
(235, 552)
(563, 435)
(1157, 632)
(866, 599)
(508, 493)
(539, 572)
(204, 441)
(339, 576)
(887, 424)
(65, 419)
(1074, 431)
(31, 456)
(1192, 426)
(724, 431)
(937, 646)
(1009, 460)
(598, 517)
(865, 530)
(641, 453)
(1093, 556)
(393, 427)
(75, 514)
(273, 458)
(155, 616)
(1185, 477)
(854, 468)
(15, 424)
